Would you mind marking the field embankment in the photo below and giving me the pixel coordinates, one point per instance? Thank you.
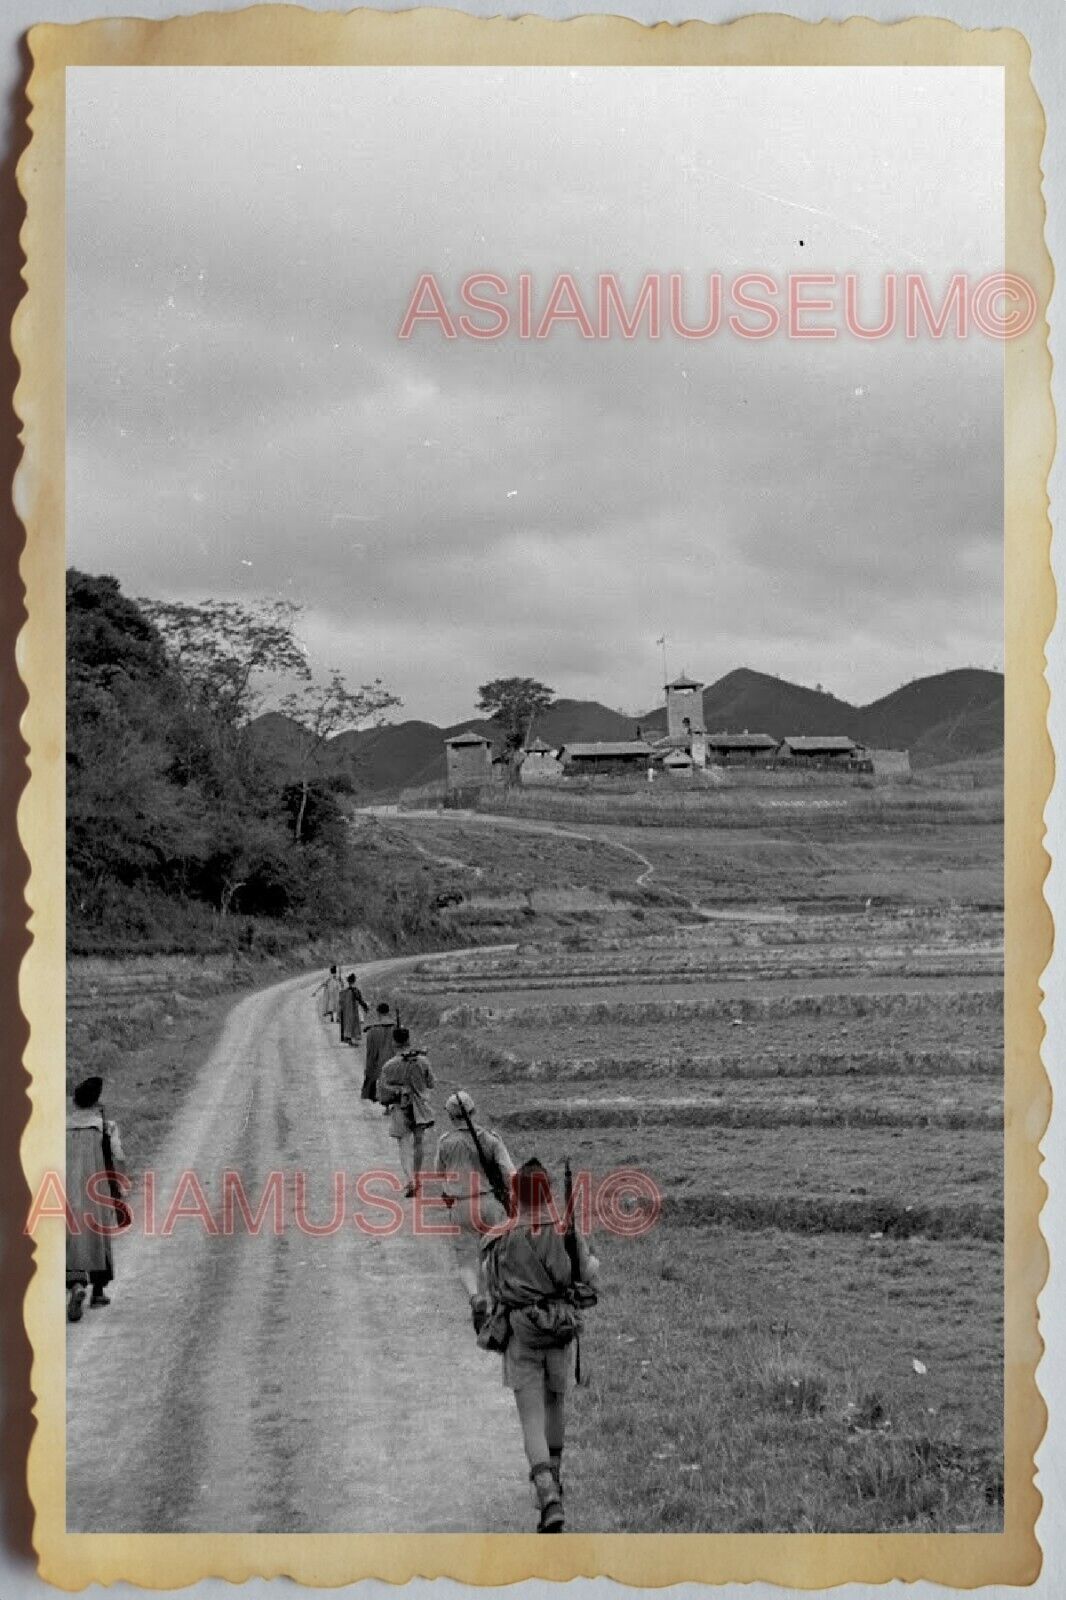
(797, 1034)
(148, 1023)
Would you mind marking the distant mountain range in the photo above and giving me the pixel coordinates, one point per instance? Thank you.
(942, 718)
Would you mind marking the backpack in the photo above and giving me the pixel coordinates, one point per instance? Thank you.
(541, 1310)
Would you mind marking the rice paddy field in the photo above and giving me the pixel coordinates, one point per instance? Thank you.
(795, 1033)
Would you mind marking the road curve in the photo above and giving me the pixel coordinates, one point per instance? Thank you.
(286, 1383)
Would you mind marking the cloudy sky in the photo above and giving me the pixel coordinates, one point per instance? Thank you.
(244, 420)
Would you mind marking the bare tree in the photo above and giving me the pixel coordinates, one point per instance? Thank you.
(223, 649)
(321, 711)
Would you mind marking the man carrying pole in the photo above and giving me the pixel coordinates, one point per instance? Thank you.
(477, 1168)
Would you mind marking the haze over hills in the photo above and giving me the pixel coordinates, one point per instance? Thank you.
(942, 718)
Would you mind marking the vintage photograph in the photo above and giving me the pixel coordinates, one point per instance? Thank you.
(543, 975)
(535, 800)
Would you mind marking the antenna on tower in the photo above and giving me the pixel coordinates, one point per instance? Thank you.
(666, 673)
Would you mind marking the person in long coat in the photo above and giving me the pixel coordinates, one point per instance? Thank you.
(378, 1035)
(330, 990)
(352, 1005)
(90, 1258)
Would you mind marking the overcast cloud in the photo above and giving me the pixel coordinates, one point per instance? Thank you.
(244, 421)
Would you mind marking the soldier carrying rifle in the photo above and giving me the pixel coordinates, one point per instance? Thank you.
(478, 1171)
(403, 1087)
(539, 1282)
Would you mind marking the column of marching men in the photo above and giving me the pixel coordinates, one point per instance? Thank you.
(528, 1284)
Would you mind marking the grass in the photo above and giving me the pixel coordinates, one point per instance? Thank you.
(147, 1026)
(754, 803)
(737, 1009)
(812, 1075)
(809, 1414)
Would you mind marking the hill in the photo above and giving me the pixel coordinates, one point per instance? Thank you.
(759, 703)
(378, 760)
(947, 717)
(974, 732)
(962, 709)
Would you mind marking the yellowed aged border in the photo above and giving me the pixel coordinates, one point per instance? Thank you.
(278, 35)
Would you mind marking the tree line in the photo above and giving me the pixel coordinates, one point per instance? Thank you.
(181, 832)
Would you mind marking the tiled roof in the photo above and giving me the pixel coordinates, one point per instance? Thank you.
(469, 737)
(618, 747)
(808, 744)
(742, 741)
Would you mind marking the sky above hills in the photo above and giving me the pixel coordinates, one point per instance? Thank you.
(245, 421)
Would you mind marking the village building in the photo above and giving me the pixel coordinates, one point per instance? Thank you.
(539, 763)
(612, 758)
(684, 751)
(741, 749)
(828, 751)
(677, 763)
(685, 727)
(468, 761)
(889, 763)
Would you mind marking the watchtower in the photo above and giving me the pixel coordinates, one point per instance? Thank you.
(684, 717)
(469, 761)
(684, 708)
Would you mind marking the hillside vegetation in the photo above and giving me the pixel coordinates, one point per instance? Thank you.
(185, 834)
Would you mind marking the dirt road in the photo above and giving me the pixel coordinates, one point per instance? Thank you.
(492, 819)
(286, 1383)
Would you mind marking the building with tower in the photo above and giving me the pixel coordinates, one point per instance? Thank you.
(685, 728)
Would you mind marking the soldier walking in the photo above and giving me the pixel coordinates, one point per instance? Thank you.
(539, 1281)
(478, 1170)
(378, 1036)
(330, 990)
(352, 1006)
(402, 1088)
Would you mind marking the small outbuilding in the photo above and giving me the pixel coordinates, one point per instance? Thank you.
(539, 763)
(889, 763)
(678, 764)
(468, 759)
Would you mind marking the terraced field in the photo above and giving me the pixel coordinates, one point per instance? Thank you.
(808, 1337)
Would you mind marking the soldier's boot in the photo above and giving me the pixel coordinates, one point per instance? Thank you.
(75, 1302)
(557, 1470)
(548, 1498)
